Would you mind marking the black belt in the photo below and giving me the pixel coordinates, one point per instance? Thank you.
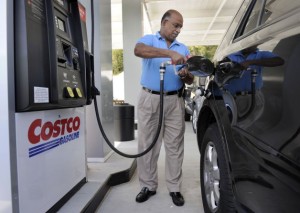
(243, 93)
(165, 93)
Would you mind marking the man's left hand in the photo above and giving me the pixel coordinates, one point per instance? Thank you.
(186, 76)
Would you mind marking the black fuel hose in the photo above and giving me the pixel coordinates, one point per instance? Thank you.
(253, 95)
(161, 107)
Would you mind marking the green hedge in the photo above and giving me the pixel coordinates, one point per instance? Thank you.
(117, 61)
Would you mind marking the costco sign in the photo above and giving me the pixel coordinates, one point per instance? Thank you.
(46, 135)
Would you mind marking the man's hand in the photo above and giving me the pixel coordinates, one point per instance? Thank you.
(177, 58)
(145, 51)
(186, 76)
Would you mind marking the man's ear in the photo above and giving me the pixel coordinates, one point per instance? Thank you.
(163, 23)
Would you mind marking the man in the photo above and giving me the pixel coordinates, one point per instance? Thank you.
(155, 49)
(254, 58)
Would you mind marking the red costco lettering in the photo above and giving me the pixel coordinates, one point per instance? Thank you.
(38, 130)
(69, 128)
(56, 129)
(63, 123)
(76, 123)
(47, 130)
(33, 138)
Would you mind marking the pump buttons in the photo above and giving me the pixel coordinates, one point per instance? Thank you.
(77, 92)
(72, 93)
(69, 92)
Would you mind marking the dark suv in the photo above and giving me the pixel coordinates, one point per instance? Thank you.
(248, 128)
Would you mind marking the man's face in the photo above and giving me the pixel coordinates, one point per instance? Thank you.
(171, 27)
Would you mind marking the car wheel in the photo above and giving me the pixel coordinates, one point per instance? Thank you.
(194, 120)
(216, 188)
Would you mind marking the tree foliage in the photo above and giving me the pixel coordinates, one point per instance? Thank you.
(117, 61)
(205, 51)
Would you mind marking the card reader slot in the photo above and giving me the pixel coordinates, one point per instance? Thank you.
(67, 53)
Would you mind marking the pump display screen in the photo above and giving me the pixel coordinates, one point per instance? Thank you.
(60, 24)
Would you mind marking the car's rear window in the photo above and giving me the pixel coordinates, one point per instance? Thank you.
(276, 8)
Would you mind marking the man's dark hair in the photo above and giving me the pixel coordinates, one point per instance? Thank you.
(167, 15)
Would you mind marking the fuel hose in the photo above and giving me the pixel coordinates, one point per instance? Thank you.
(161, 107)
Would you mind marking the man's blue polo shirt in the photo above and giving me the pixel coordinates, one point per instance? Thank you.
(150, 71)
(244, 83)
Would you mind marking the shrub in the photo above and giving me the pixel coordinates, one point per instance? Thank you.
(117, 61)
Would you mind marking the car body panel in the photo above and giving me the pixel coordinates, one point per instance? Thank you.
(263, 148)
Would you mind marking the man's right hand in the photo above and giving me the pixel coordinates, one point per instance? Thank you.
(177, 58)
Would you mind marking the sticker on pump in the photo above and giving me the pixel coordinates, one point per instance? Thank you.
(41, 95)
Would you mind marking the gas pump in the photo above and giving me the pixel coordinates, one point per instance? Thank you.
(50, 89)
(50, 55)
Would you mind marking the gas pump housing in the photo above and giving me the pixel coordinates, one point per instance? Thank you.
(50, 46)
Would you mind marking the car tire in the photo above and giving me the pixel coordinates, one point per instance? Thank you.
(194, 120)
(216, 187)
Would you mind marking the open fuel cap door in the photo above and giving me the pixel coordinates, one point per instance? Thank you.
(200, 66)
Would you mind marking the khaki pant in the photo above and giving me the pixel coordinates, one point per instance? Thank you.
(172, 134)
